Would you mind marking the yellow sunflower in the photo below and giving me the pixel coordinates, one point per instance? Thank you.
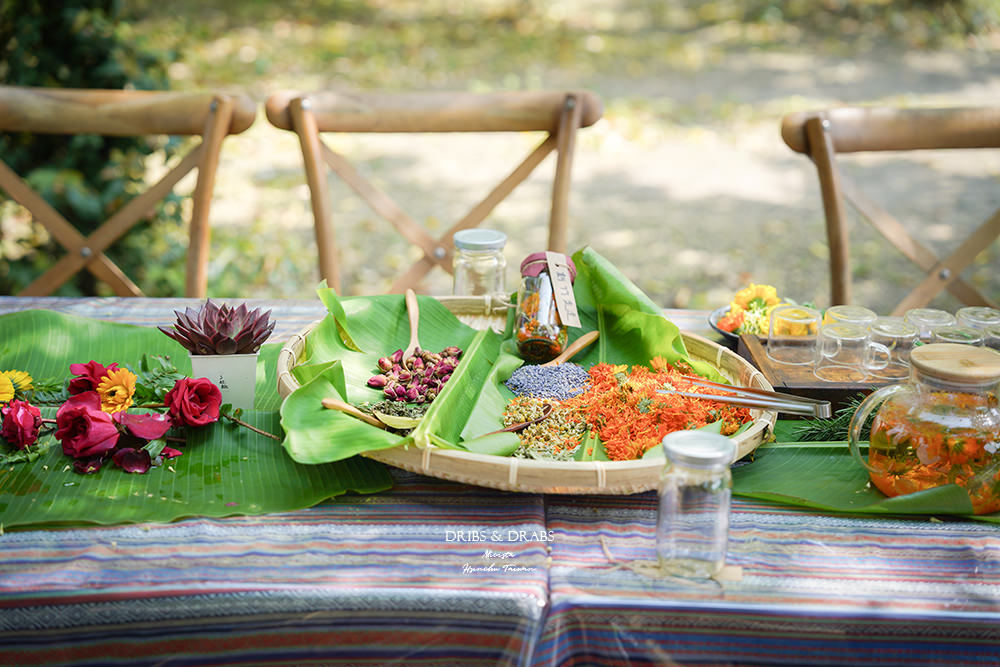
(20, 379)
(756, 297)
(116, 390)
(6, 389)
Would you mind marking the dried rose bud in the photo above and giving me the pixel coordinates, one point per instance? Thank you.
(445, 378)
(385, 364)
(397, 356)
(378, 381)
(445, 367)
(404, 376)
(452, 351)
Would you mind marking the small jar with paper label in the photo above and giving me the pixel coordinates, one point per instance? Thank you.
(546, 306)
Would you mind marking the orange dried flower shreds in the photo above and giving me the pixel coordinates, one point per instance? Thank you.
(630, 416)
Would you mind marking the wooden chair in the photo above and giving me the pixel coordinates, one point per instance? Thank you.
(123, 113)
(823, 134)
(559, 113)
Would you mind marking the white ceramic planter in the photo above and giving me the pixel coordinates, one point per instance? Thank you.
(234, 374)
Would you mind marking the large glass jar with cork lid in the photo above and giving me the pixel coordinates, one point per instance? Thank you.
(942, 427)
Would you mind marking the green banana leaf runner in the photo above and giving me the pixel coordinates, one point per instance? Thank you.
(225, 469)
(824, 476)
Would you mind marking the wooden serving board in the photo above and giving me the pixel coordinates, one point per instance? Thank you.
(799, 380)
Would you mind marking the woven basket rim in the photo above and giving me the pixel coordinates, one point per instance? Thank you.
(527, 475)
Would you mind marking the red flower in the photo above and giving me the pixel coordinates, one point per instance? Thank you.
(83, 428)
(148, 426)
(194, 402)
(21, 421)
(88, 376)
(132, 460)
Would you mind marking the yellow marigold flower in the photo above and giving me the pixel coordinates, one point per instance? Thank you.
(754, 297)
(6, 389)
(20, 379)
(116, 390)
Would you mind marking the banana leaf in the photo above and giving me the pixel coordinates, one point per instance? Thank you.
(225, 469)
(355, 334)
(824, 476)
(633, 331)
(359, 330)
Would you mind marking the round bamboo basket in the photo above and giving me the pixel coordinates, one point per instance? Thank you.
(529, 475)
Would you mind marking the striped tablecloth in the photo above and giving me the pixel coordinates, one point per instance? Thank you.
(431, 572)
(814, 590)
(434, 572)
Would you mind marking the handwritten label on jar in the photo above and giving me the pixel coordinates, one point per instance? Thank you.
(562, 288)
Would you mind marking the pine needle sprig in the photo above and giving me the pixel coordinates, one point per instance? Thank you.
(834, 427)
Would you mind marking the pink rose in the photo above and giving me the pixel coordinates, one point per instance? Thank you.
(21, 421)
(194, 402)
(88, 376)
(83, 428)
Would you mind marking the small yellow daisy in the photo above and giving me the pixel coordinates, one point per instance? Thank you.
(20, 379)
(753, 297)
(6, 389)
(116, 390)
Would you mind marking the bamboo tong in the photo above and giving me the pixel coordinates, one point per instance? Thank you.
(758, 398)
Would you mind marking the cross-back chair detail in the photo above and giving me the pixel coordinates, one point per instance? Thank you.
(123, 113)
(559, 113)
(821, 135)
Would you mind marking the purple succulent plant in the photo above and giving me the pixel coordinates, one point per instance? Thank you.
(215, 329)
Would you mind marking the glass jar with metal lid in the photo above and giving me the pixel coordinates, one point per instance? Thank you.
(692, 528)
(479, 265)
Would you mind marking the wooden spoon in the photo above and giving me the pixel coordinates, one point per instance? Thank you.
(520, 426)
(347, 408)
(413, 312)
(574, 347)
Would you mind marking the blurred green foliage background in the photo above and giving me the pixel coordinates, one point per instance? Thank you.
(260, 46)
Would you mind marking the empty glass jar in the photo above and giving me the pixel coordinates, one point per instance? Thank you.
(479, 264)
(692, 528)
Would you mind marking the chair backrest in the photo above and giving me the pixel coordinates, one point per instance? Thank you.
(821, 135)
(558, 113)
(210, 116)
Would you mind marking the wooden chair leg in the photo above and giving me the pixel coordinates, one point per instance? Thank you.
(569, 123)
(822, 152)
(216, 126)
(304, 123)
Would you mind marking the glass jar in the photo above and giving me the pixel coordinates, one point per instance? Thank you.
(978, 317)
(850, 314)
(926, 320)
(692, 526)
(941, 427)
(957, 334)
(479, 264)
(541, 335)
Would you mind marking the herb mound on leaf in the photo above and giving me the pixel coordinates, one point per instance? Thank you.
(215, 329)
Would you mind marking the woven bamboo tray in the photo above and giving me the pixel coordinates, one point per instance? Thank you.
(529, 475)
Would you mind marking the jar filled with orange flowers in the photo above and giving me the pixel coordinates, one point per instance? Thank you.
(541, 334)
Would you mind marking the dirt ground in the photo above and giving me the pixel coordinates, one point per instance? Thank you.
(690, 209)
